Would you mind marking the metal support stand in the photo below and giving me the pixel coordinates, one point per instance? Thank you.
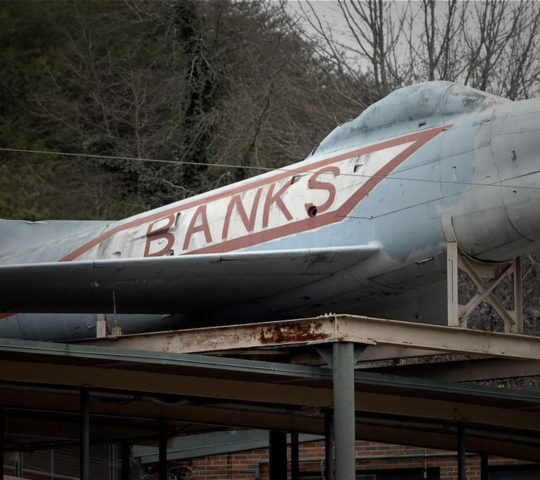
(84, 435)
(103, 330)
(295, 460)
(486, 277)
(278, 455)
(461, 451)
(162, 462)
(329, 445)
(344, 411)
(484, 466)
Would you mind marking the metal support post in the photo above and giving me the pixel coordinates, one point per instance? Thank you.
(1, 444)
(295, 460)
(344, 412)
(278, 455)
(162, 466)
(461, 452)
(125, 453)
(484, 466)
(329, 445)
(84, 461)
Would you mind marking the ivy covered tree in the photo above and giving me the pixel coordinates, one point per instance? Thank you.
(196, 84)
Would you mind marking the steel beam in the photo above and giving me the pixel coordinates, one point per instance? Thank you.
(328, 329)
(344, 410)
(435, 337)
(278, 455)
(62, 429)
(228, 337)
(84, 462)
(389, 352)
(467, 370)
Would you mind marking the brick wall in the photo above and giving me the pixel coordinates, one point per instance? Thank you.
(249, 464)
(253, 464)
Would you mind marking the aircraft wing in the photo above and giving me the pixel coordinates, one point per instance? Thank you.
(168, 284)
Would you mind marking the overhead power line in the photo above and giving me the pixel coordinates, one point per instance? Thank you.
(131, 159)
(266, 169)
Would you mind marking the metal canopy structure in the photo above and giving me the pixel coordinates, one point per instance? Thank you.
(135, 394)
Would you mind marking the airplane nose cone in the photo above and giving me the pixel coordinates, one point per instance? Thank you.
(515, 143)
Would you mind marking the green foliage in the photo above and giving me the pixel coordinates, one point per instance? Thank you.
(28, 32)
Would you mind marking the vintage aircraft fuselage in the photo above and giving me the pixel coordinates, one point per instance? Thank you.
(427, 160)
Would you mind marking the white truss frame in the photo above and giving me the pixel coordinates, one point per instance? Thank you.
(486, 277)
